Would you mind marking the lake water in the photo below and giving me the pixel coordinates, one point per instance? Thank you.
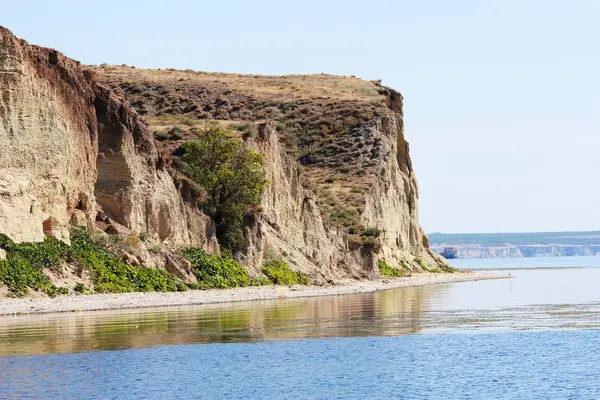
(534, 336)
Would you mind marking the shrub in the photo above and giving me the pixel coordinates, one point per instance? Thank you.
(5, 242)
(279, 272)
(371, 242)
(260, 281)
(232, 175)
(214, 272)
(386, 269)
(25, 262)
(161, 136)
(111, 275)
(371, 232)
(17, 273)
(346, 217)
(448, 269)
(80, 288)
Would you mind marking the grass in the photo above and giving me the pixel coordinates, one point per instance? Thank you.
(290, 87)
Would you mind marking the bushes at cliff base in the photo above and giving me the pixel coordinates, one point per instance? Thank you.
(22, 268)
(386, 269)
(112, 275)
(25, 263)
(280, 273)
(216, 272)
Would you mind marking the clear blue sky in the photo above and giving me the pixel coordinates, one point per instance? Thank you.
(502, 98)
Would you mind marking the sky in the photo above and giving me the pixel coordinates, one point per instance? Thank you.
(502, 98)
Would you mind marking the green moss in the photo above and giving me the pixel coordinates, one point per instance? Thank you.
(214, 272)
(386, 269)
(279, 272)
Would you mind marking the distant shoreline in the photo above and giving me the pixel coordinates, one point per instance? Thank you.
(518, 251)
(123, 301)
(517, 245)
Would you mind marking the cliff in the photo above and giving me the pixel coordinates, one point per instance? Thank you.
(94, 147)
(72, 153)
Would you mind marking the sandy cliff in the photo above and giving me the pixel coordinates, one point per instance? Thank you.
(70, 149)
(75, 152)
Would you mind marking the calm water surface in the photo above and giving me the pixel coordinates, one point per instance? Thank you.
(533, 336)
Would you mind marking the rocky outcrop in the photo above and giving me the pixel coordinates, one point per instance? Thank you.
(70, 149)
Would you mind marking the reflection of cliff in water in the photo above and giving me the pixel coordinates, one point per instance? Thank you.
(394, 312)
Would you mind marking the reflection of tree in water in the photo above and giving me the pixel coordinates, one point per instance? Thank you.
(393, 312)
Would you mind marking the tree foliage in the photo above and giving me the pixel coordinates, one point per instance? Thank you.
(232, 175)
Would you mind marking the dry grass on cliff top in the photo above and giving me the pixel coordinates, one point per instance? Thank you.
(285, 87)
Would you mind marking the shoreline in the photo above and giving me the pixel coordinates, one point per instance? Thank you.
(137, 300)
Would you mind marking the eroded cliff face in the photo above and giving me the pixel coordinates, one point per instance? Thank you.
(71, 153)
(291, 226)
(336, 159)
(75, 152)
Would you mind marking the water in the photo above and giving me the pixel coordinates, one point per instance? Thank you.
(530, 337)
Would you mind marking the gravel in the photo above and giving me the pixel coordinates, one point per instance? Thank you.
(120, 301)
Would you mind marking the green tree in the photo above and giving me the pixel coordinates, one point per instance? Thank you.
(232, 175)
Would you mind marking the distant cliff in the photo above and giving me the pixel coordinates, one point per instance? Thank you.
(531, 244)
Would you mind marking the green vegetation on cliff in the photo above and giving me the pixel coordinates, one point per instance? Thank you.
(25, 263)
(26, 266)
(279, 272)
(220, 272)
(216, 272)
(232, 175)
(386, 269)
(111, 275)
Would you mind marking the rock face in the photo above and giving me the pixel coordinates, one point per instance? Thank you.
(70, 148)
(74, 152)
(336, 159)
(291, 226)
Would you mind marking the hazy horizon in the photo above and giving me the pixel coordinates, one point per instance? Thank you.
(501, 100)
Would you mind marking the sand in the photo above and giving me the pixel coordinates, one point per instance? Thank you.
(121, 301)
